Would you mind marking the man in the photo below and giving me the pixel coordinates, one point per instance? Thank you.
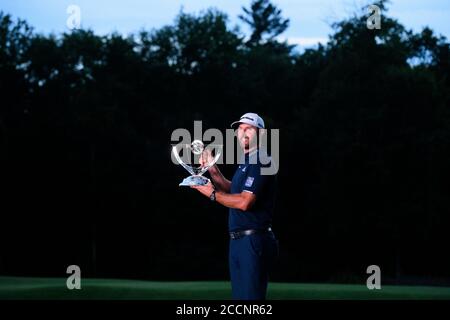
(250, 195)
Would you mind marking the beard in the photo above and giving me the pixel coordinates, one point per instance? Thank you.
(245, 143)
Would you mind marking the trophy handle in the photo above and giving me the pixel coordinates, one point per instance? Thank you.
(177, 157)
(196, 171)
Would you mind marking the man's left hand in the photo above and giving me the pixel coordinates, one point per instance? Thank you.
(206, 189)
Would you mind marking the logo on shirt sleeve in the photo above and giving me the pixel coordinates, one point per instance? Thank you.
(249, 181)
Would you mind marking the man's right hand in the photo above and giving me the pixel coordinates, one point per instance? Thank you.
(219, 180)
(205, 158)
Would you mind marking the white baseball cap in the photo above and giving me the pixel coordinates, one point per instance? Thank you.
(251, 119)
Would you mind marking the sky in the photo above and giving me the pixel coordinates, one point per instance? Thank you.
(309, 19)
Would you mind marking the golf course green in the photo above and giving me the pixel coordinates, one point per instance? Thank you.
(55, 288)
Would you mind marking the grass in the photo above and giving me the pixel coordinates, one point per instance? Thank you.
(112, 289)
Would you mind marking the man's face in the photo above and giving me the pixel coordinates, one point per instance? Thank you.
(247, 136)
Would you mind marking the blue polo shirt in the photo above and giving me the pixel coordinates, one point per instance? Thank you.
(248, 178)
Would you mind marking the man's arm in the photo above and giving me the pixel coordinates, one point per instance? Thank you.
(221, 183)
(242, 201)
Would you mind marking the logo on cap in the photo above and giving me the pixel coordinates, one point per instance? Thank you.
(251, 119)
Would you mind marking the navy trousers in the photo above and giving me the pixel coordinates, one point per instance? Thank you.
(251, 259)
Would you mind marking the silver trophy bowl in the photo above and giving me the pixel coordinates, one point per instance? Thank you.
(196, 147)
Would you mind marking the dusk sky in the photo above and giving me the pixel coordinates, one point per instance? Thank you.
(310, 19)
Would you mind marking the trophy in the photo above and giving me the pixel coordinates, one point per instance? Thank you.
(197, 148)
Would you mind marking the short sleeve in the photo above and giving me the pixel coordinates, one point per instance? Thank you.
(255, 182)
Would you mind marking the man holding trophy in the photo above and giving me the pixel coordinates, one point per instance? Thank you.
(250, 197)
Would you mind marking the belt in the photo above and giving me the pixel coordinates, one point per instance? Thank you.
(239, 234)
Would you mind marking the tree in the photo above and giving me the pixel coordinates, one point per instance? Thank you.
(193, 44)
(265, 20)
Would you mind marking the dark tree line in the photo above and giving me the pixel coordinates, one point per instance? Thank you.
(85, 125)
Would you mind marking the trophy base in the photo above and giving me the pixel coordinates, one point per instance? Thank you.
(194, 181)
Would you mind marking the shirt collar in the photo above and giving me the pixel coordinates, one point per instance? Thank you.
(252, 154)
